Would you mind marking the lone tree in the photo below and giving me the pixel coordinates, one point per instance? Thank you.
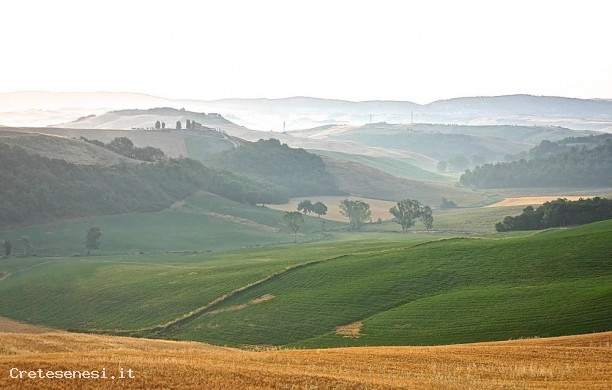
(294, 220)
(188, 124)
(26, 245)
(356, 211)
(163, 125)
(406, 213)
(319, 208)
(178, 125)
(306, 207)
(7, 248)
(92, 239)
(157, 125)
(427, 217)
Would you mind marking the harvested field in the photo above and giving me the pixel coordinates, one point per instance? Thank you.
(533, 200)
(572, 362)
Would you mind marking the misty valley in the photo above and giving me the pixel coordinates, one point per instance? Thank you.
(170, 224)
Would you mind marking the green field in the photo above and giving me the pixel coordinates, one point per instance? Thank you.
(405, 289)
(203, 222)
(476, 220)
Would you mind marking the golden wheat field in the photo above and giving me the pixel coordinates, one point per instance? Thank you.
(573, 362)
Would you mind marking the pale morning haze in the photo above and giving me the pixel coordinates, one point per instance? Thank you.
(417, 51)
(293, 194)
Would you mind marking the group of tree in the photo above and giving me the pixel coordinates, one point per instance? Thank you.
(125, 147)
(36, 189)
(300, 173)
(193, 125)
(558, 213)
(307, 207)
(160, 125)
(294, 221)
(405, 213)
(319, 208)
(578, 167)
(189, 125)
(408, 211)
(26, 246)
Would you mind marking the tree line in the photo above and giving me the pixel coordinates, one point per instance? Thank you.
(578, 167)
(36, 189)
(125, 147)
(558, 213)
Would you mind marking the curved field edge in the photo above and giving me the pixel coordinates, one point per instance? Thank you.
(141, 292)
(553, 363)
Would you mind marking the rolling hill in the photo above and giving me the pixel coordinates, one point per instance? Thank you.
(172, 143)
(365, 181)
(45, 108)
(435, 144)
(202, 222)
(403, 290)
(68, 149)
(396, 166)
(144, 119)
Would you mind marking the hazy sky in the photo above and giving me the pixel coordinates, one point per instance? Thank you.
(357, 50)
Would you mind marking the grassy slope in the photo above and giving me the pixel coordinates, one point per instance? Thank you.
(171, 142)
(362, 180)
(71, 150)
(393, 166)
(202, 146)
(177, 229)
(528, 134)
(436, 145)
(135, 291)
(450, 291)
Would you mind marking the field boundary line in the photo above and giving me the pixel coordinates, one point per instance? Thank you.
(162, 328)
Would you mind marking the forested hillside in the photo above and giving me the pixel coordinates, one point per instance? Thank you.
(558, 213)
(35, 189)
(548, 148)
(574, 168)
(299, 172)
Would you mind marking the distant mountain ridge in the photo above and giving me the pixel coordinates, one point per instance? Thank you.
(305, 112)
(145, 118)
